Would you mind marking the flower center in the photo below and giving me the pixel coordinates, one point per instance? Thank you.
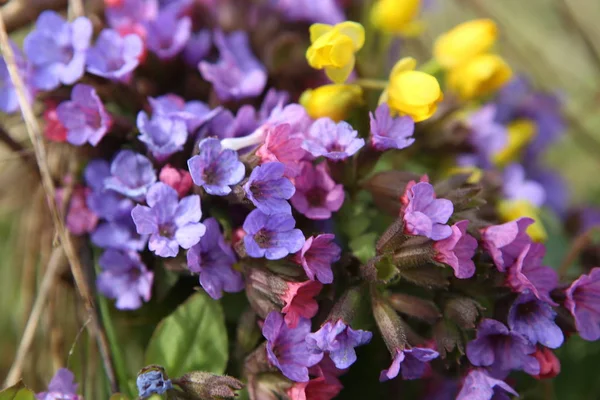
(167, 230)
(263, 238)
(315, 196)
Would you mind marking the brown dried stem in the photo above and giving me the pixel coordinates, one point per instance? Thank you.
(18, 13)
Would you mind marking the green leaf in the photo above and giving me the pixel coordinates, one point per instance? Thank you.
(118, 396)
(363, 247)
(17, 392)
(192, 338)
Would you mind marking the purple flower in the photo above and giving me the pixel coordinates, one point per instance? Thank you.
(213, 259)
(339, 340)
(528, 273)
(105, 203)
(516, 187)
(317, 195)
(331, 140)
(317, 255)
(56, 48)
(120, 235)
(268, 189)
(197, 47)
(487, 137)
(168, 34)
(424, 214)
(215, 169)
(505, 242)
(237, 74)
(84, 116)
(534, 319)
(151, 380)
(554, 185)
(124, 277)
(194, 113)
(226, 125)
(583, 302)
(478, 385)
(324, 11)
(271, 236)
(412, 362)
(457, 250)
(170, 222)
(389, 132)
(8, 95)
(501, 350)
(286, 347)
(114, 56)
(130, 15)
(164, 136)
(131, 175)
(62, 386)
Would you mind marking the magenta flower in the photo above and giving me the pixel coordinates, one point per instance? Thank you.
(478, 385)
(516, 187)
(505, 242)
(316, 388)
(62, 386)
(114, 56)
(268, 189)
(162, 135)
(215, 169)
(79, 219)
(299, 299)
(534, 319)
(583, 302)
(84, 116)
(317, 255)
(339, 341)
(131, 175)
(178, 179)
(271, 236)
(411, 362)
(424, 214)
(9, 102)
(333, 141)
(281, 144)
(317, 195)
(131, 15)
(57, 48)
(389, 132)
(237, 74)
(213, 259)
(501, 350)
(528, 273)
(124, 277)
(286, 347)
(457, 250)
(168, 34)
(170, 222)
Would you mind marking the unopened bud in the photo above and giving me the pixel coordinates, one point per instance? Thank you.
(200, 385)
(416, 307)
(464, 311)
(389, 323)
(426, 276)
(264, 290)
(152, 379)
(346, 306)
(447, 338)
(549, 363)
(380, 269)
(392, 238)
(414, 256)
(387, 187)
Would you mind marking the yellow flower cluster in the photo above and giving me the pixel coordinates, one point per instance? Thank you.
(397, 17)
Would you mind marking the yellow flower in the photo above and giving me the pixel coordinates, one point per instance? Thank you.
(333, 48)
(394, 16)
(475, 173)
(333, 101)
(480, 76)
(411, 92)
(520, 133)
(464, 42)
(510, 210)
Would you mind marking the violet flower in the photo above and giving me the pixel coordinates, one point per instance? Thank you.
(237, 74)
(506, 241)
(170, 222)
(62, 386)
(424, 214)
(534, 319)
(57, 48)
(317, 255)
(268, 189)
(84, 116)
(131, 15)
(105, 203)
(271, 236)
(411, 362)
(168, 34)
(324, 11)
(283, 146)
(317, 195)
(131, 175)
(213, 259)
(194, 113)
(299, 300)
(215, 169)
(389, 132)
(528, 273)
(119, 235)
(162, 135)
(478, 385)
(152, 381)
(114, 56)
(501, 350)
(333, 141)
(487, 137)
(286, 347)
(197, 47)
(226, 125)
(9, 101)
(339, 340)
(124, 277)
(516, 187)
(583, 302)
(457, 250)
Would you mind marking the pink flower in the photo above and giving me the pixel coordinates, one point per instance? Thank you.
(299, 301)
(315, 389)
(505, 242)
(317, 195)
(317, 255)
(54, 130)
(178, 179)
(281, 144)
(528, 273)
(457, 250)
(79, 219)
(423, 213)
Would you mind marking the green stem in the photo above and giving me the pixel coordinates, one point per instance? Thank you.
(432, 67)
(375, 84)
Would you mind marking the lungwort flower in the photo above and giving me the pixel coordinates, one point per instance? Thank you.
(215, 168)
(271, 236)
(269, 190)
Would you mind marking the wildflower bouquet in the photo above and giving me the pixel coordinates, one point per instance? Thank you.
(378, 221)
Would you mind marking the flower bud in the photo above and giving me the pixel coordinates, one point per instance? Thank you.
(426, 276)
(200, 385)
(346, 306)
(464, 42)
(392, 16)
(268, 386)
(463, 311)
(178, 179)
(389, 323)
(549, 363)
(264, 290)
(416, 307)
(414, 256)
(392, 238)
(447, 338)
(380, 269)
(152, 379)
(480, 76)
(387, 187)
(332, 101)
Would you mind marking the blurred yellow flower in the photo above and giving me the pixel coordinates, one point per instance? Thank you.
(396, 16)
(334, 101)
(510, 210)
(333, 48)
(520, 133)
(411, 92)
(464, 42)
(482, 75)
(475, 173)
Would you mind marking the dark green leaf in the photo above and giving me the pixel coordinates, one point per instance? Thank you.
(17, 392)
